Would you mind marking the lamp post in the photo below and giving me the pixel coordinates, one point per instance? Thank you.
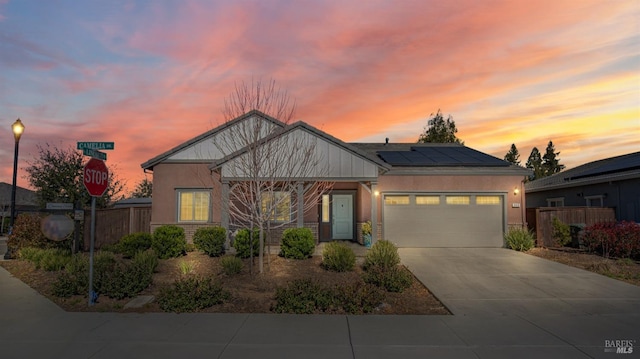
(17, 129)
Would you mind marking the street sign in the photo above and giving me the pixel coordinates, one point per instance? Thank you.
(53, 206)
(96, 145)
(95, 177)
(94, 153)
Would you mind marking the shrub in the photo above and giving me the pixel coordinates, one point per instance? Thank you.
(359, 298)
(186, 267)
(297, 243)
(190, 247)
(382, 254)
(210, 240)
(392, 279)
(561, 232)
(133, 243)
(304, 296)
(147, 260)
(614, 239)
(519, 239)
(49, 259)
(191, 294)
(231, 265)
(244, 245)
(27, 233)
(338, 257)
(169, 241)
(74, 279)
(54, 259)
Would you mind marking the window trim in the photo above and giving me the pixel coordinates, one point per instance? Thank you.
(599, 197)
(558, 200)
(193, 191)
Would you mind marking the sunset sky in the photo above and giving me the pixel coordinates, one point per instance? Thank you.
(149, 75)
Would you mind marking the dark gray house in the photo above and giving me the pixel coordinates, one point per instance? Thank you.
(611, 182)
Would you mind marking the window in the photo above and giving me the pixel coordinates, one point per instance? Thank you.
(193, 205)
(279, 206)
(428, 200)
(397, 200)
(487, 200)
(325, 208)
(595, 201)
(555, 202)
(463, 200)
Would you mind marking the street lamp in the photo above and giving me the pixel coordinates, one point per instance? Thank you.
(17, 129)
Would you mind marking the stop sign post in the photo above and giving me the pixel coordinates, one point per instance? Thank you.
(96, 177)
(96, 180)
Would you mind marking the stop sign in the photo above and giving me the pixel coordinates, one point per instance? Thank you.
(95, 177)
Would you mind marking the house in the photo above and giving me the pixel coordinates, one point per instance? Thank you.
(415, 195)
(612, 182)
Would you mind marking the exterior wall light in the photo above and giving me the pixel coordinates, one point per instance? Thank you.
(516, 191)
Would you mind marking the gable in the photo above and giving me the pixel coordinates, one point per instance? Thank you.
(206, 147)
(304, 152)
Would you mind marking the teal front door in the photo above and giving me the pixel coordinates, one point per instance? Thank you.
(342, 216)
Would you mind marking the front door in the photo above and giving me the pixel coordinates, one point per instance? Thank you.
(342, 216)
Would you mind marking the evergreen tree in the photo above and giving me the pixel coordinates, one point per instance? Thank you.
(513, 155)
(439, 130)
(143, 189)
(550, 161)
(534, 163)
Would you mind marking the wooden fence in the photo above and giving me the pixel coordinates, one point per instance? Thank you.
(112, 224)
(540, 220)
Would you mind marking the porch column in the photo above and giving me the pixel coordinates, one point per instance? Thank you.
(300, 197)
(374, 213)
(224, 211)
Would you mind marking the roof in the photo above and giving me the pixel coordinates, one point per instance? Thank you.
(24, 197)
(439, 158)
(148, 165)
(133, 202)
(605, 170)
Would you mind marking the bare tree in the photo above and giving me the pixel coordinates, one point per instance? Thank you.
(274, 167)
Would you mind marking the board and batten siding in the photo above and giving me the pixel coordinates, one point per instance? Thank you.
(333, 160)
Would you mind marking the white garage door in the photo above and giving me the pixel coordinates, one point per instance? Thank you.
(444, 220)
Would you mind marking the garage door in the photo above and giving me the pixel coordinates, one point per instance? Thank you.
(444, 220)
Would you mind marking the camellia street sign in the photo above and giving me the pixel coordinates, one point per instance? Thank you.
(95, 177)
(96, 145)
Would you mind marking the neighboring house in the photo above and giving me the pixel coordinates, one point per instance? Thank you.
(416, 195)
(26, 201)
(611, 182)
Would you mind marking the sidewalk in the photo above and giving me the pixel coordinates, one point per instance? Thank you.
(33, 327)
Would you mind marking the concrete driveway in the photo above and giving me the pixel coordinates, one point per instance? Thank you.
(479, 281)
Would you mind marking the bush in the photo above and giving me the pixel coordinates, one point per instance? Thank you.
(49, 259)
(382, 254)
(338, 257)
(359, 298)
(191, 294)
(169, 241)
(210, 240)
(231, 265)
(243, 244)
(27, 233)
(561, 232)
(392, 279)
(147, 260)
(614, 239)
(519, 239)
(304, 296)
(133, 243)
(74, 279)
(297, 243)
